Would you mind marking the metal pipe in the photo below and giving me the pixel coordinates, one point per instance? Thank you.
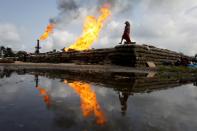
(37, 51)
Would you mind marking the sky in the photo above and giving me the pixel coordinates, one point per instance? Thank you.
(170, 24)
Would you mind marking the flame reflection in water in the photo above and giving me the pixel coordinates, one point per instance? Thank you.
(89, 103)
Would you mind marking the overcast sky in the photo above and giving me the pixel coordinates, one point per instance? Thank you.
(170, 24)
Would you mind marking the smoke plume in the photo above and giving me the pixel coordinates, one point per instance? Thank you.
(70, 10)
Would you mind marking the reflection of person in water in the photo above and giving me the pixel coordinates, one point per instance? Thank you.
(195, 83)
(123, 97)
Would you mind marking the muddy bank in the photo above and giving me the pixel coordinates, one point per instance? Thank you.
(75, 67)
(130, 81)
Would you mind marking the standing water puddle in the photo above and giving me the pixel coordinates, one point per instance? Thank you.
(40, 100)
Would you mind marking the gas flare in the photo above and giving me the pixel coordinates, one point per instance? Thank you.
(89, 103)
(47, 32)
(91, 29)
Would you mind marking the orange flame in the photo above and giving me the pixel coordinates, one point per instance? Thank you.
(47, 32)
(89, 103)
(92, 28)
(45, 95)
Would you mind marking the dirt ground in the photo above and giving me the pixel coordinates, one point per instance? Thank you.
(89, 68)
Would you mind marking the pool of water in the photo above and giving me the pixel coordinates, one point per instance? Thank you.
(36, 102)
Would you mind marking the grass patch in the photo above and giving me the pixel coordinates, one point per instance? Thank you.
(177, 69)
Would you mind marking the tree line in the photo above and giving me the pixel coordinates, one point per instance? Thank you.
(8, 52)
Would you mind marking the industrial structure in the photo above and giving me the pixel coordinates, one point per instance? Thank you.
(37, 51)
(133, 55)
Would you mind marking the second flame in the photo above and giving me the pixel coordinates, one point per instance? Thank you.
(91, 29)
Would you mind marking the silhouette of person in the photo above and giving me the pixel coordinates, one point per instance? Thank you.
(123, 97)
(126, 34)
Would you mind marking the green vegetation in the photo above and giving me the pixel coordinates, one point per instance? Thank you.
(7, 52)
(177, 69)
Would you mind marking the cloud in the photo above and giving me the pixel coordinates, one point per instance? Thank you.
(58, 40)
(166, 27)
(9, 35)
(166, 24)
(69, 10)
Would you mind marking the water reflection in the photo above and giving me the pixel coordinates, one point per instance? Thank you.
(113, 100)
(5, 73)
(123, 97)
(195, 83)
(89, 103)
(124, 84)
(43, 92)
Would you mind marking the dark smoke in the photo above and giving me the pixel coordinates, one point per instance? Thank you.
(118, 6)
(70, 9)
(67, 5)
